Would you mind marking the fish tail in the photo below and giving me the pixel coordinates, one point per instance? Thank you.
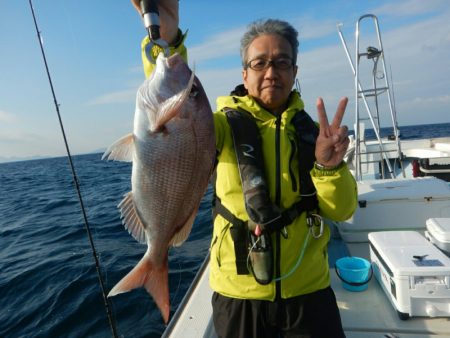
(153, 278)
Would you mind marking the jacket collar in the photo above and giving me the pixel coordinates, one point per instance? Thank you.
(249, 104)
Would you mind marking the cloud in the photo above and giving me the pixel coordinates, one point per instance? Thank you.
(122, 96)
(19, 145)
(442, 99)
(227, 43)
(412, 7)
(217, 46)
(310, 28)
(219, 82)
(417, 53)
(136, 70)
(6, 117)
(20, 137)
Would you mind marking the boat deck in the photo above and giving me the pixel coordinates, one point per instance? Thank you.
(372, 315)
(364, 314)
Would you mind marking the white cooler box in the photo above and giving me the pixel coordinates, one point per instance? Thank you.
(396, 204)
(414, 274)
(438, 233)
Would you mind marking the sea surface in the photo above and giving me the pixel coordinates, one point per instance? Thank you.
(48, 280)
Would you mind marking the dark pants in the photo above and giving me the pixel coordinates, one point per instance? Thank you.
(315, 315)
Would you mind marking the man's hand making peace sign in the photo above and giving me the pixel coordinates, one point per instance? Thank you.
(332, 142)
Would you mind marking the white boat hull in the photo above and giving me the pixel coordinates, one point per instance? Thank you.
(396, 204)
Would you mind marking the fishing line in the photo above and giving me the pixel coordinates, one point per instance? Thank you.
(179, 280)
(75, 180)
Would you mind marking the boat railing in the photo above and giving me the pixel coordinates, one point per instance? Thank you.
(374, 54)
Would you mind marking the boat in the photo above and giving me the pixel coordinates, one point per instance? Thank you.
(400, 187)
(386, 156)
(392, 174)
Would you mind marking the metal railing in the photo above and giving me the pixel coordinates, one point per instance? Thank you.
(374, 54)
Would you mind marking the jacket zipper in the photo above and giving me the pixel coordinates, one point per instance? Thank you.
(291, 159)
(277, 202)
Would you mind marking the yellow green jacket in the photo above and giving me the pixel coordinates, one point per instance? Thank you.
(336, 192)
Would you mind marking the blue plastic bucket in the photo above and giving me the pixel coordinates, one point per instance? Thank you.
(354, 272)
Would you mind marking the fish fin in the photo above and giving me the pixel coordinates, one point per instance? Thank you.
(131, 219)
(121, 150)
(154, 279)
(182, 234)
(169, 108)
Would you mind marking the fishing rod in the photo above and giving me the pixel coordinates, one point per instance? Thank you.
(76, 182)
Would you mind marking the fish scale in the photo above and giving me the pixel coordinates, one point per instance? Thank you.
(173, 187)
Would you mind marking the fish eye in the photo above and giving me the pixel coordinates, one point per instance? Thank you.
(194, 91)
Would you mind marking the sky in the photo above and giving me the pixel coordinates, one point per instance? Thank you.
(93, 53)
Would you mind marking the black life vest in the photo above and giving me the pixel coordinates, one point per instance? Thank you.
(261, 210)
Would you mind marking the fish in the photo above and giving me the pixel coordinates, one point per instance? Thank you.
(172, 150)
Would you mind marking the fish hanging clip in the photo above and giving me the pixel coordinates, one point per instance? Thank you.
(150, 16)
(315, 220)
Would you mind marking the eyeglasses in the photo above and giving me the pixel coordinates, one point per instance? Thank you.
(262, 64)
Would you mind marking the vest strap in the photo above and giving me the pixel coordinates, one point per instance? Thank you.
(260, 209)
(239, 228)
(238, 231)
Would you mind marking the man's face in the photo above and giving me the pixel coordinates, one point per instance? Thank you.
(270, 86)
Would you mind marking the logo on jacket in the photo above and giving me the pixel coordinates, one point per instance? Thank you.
(248, 150)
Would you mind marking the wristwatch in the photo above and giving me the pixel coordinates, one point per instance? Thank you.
(319, 166)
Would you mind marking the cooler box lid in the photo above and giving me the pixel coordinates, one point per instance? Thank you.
(408, 253)
(439, 228)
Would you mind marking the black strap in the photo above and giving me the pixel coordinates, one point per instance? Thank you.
(307, 203)
(249, 156)
(238, 232)
(287, 217)
(306, 132)
(239, 229)
(257, 201)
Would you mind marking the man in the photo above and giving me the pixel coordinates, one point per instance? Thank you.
(277, 175)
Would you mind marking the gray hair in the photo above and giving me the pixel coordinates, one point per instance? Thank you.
(269, 26)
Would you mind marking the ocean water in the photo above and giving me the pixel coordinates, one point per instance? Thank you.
(413, 132)
(48, 281)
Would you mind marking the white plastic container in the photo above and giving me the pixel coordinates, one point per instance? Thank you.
(414, 274)
(396, 204)
(438, 233)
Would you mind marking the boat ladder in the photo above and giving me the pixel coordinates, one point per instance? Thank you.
(376, 87)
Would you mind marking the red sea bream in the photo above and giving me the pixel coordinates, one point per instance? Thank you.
(172, 148)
